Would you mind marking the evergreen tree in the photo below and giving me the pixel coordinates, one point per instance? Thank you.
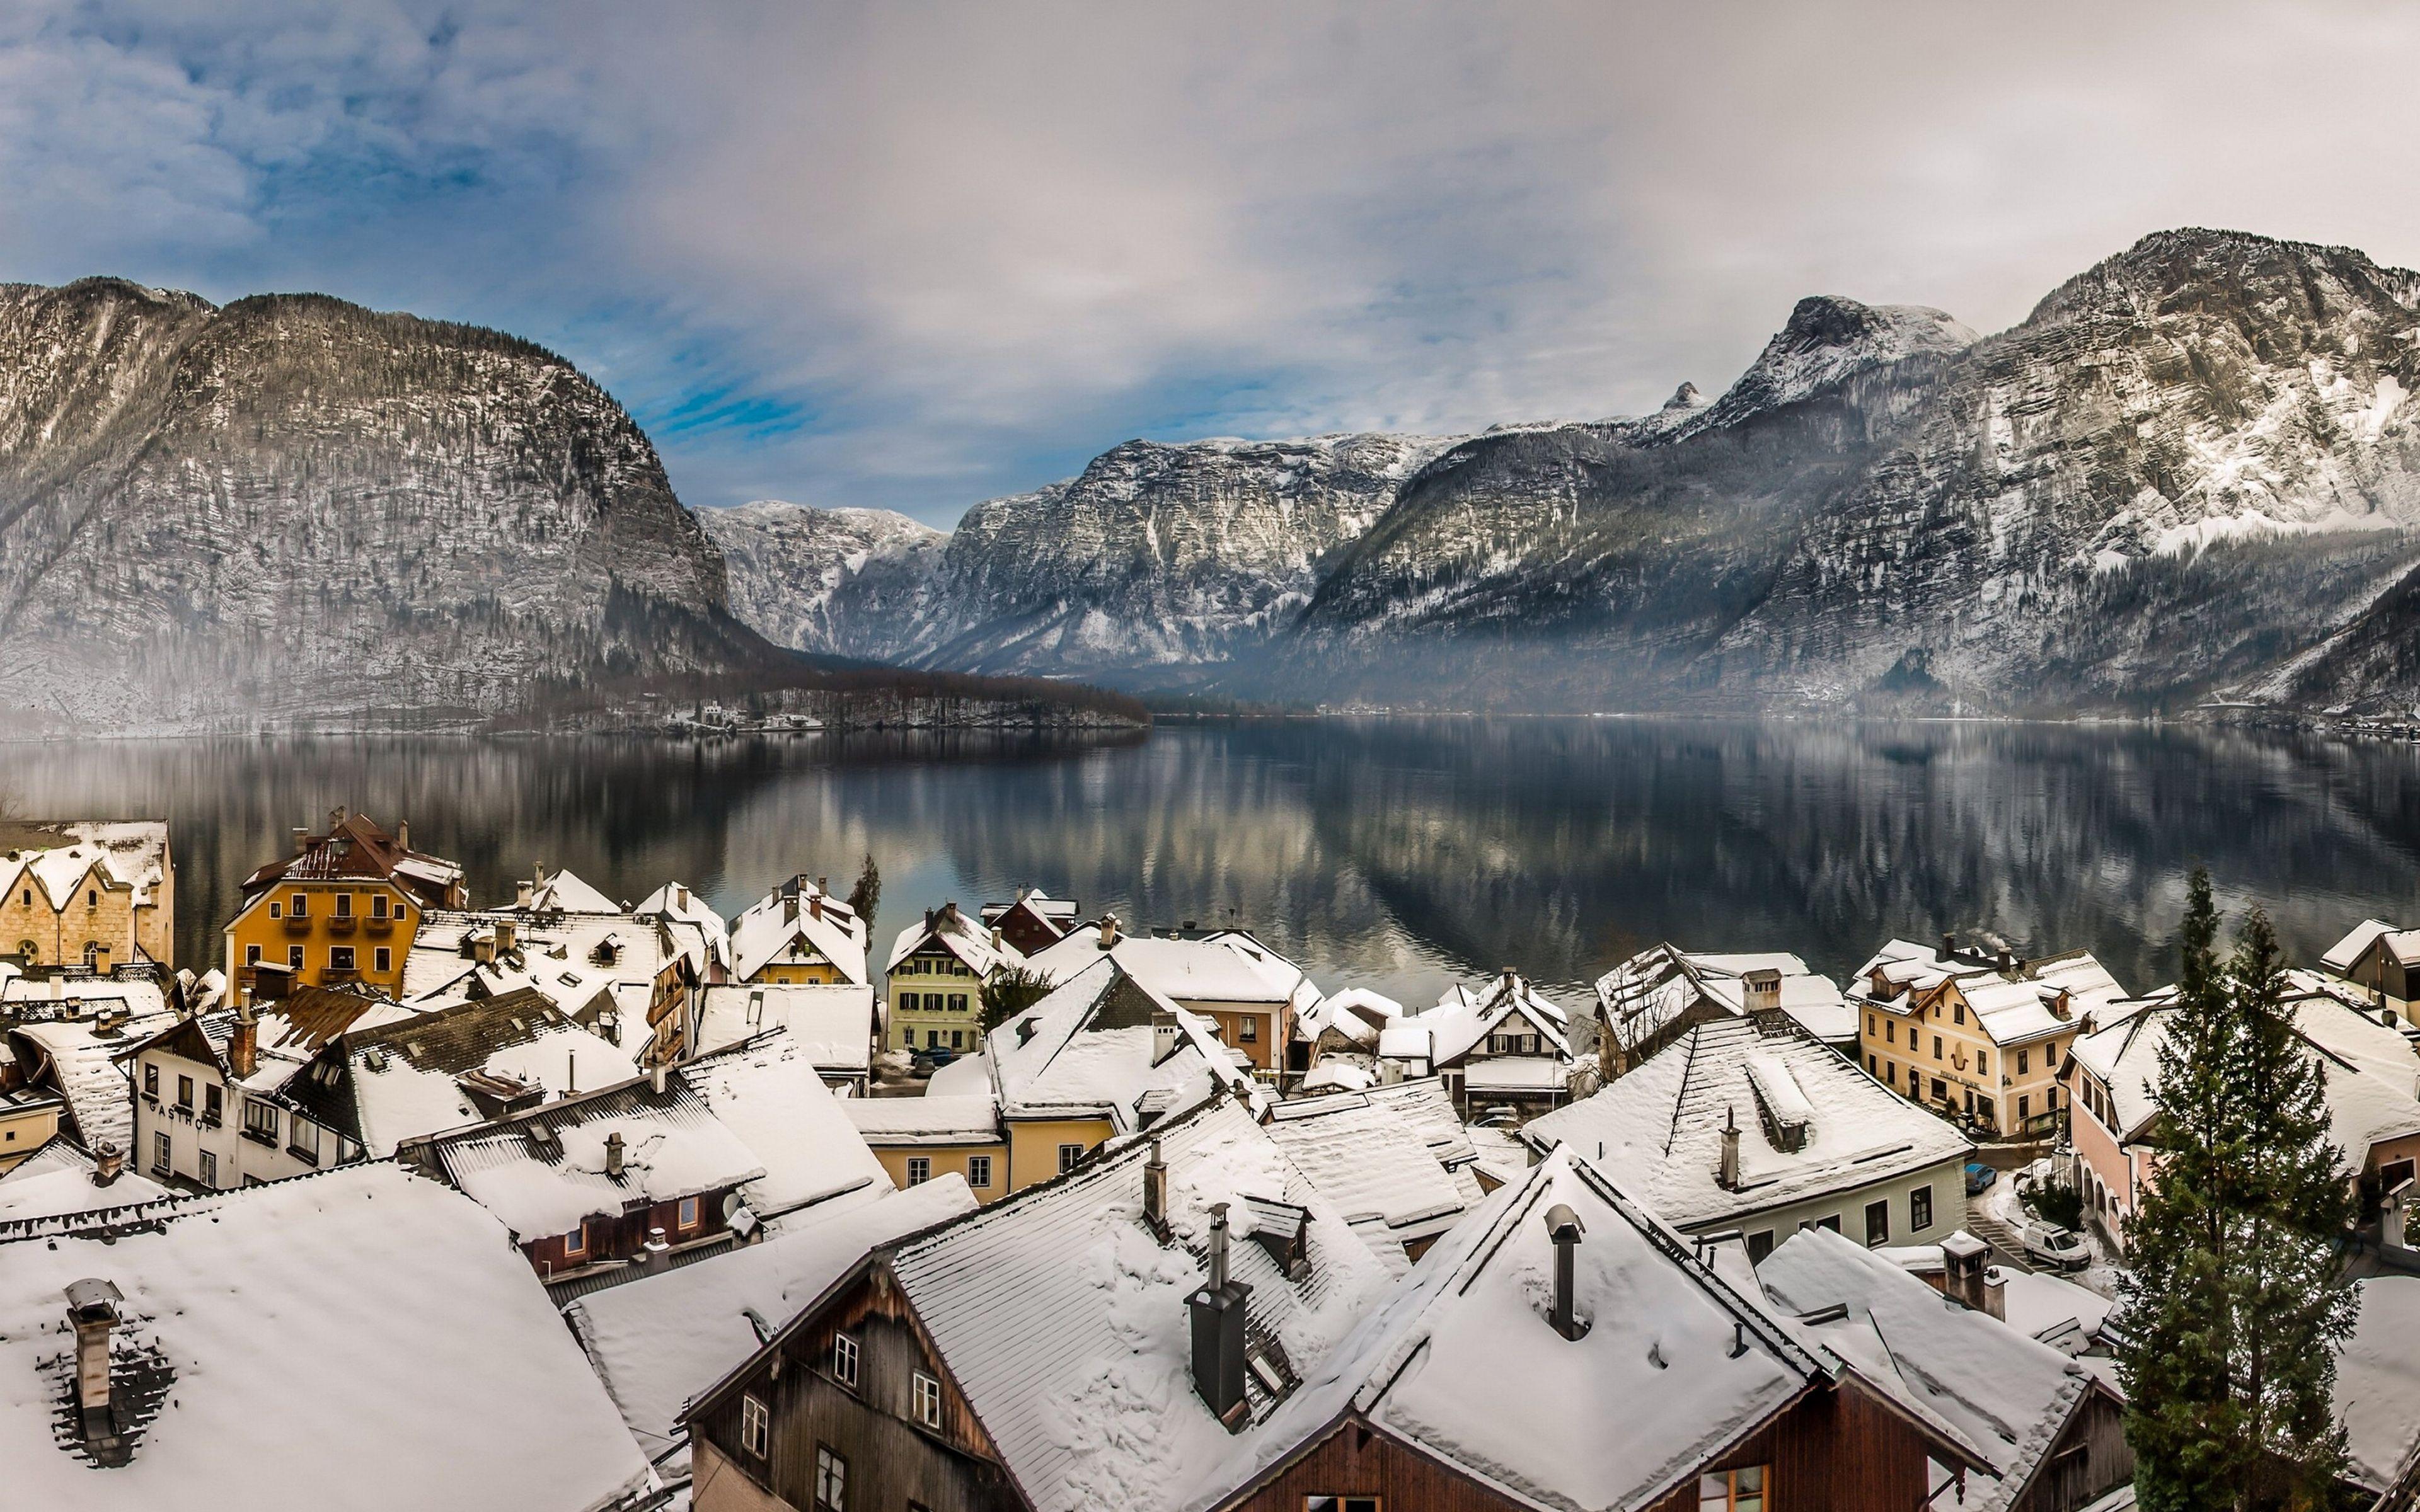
(867, 895)
(1010, 993)
(2236, 1296)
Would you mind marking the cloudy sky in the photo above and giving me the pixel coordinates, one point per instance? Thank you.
(916, 254)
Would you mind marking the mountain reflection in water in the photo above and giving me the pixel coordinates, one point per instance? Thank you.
(1389, 853)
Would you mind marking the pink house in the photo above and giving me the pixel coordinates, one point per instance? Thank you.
(2372, 1074)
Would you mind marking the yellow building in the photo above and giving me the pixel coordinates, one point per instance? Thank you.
(1977, 1035)
(799, 935)
(84, 893)
(342, 909)
(28, 1118)
(935, 981)
(919, 1139)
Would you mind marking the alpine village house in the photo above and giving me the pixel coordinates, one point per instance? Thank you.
(342, 909)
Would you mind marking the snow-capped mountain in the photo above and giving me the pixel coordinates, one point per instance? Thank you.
(2190, 475)
(851, 582)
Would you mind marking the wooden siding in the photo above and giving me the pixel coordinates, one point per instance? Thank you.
(2089, 1460)
(619, 1237)
(893, 1459)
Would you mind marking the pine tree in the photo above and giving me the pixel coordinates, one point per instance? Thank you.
(2236, 1296)
(867, 895)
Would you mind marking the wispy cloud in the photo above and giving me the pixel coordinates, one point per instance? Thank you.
(919, 255)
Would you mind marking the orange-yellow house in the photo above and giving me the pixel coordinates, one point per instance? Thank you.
(342, 909)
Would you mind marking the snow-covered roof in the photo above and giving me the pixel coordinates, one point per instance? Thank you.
(2377, 1381)
(769, 1093)
(562, 892)
(2372, 1071)
(1463, 1363)
(1356, 1013)
(1103, 1044)
(792, 925)
(257, 1305)
(1441, 1036)
(55, 856)
(67, 1048)
(2000, 1394)
(930, 1120)
(1369, 1156)
(835, 1021)
(672, 1146)
(658, 1341)
(1643, 995)
(60, 1178)
(949, 927)
(2052, 1308)
(1228, 967)
(675, 899)
(624, 949)
(1063, 1316)
(2402, 944)
(1658, 1131)
(2035, 999)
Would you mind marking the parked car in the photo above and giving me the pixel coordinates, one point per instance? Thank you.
(1978, 1176)
(2052, 1245)
(933, 1059)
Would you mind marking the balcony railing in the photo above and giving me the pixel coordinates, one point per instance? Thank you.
(298, 924)
(341, 923)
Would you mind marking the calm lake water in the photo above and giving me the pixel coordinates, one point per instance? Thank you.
(1393, 854)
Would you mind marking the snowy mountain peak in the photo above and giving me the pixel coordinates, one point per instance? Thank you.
(1686, 397)
(1826, 339)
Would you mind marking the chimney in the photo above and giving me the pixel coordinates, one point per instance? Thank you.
(1996, 1293)
(108, 1161)
(815, 904)
(403, 834)
(1219, 1310)
(243, 1046)
(1962, 1257)
(2008, 959)
(1728, 1177)
(506, 933)
(1155, 1192)
(823, 884)
(1762, 991)
(995, 936)
(680, 898)
(1563, 1226)
(1949, 945)
(525, 893)
(656, 1078)
(335, 819)
(92, 1310)
(950, 914)
(1109, 930)
(613, 1155)
(655, 1256)
(301, 840)
(483, 949)
(789, 909)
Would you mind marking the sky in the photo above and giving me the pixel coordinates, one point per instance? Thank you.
(917, 255)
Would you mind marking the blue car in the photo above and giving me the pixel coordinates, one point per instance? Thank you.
(1978, 1176)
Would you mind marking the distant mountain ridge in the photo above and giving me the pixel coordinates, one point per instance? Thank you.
(2190, 475)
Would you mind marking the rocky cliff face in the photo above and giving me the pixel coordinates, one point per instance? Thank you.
(293, 510)
(850, 582)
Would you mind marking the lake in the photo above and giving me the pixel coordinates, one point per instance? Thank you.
(1396, 854)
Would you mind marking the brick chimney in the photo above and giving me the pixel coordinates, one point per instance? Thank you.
(789, 909)
(815, 904)
(1109, 931)
(243, 1045)
(1218, 1309)
(92, 1311)
(403, 834)
(108, 1162)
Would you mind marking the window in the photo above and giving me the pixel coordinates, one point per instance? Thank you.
(151, 1078)
(1870, 1064)
(298, 905)
(340, 958)
(832, 1480)
(378, 906)
(210, 1169)
(1940, 1087)
(1068, 1156)
(1733, 1490)
(2021, 1061)
(979, 1171)
(344, 905)
(1961, 1012)
(1341, 1503)
(927, 1394)
(845, 1359)
(276, 910)
(260, 1119)
(159, 1155)
(1830, 1221)
(1920, 1209)
(92, 898)
(1759, 1244)
(1936, 1047)
(212, 1103)
(958, 1002)
(932, 1039)
(294, 957)
(1877, 1222)
(185, 1093)
(1249, 1030)
(1869, 1023)
(385, 959)
(920, 1169)
(756, 1426)
(306, 1136)
(957, 1039)
(575, 1244)
(1982, 1062)
(688, 1218)
(1890, 1032)
(2024, 1107)
(252, 955)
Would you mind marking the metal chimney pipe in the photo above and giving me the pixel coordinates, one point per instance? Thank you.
(1218, 1246)
(1564, 1227)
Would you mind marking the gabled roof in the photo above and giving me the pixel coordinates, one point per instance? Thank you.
(1356, 1013)
(2033, 999)
(354, 848)
(1056, 916)
(767, 1091)
(562, 892)
(1220, 966)
(251, 1306)
(1464, 1017)
(67, 1048)
(930, 1120)
(2002, 1396)
(805, 917)
(1638, 999)
(835, 1021)
(658, 1341)
(1063, 1316)
(1462, 1361)
(54, 855)
(2403, 944)
(1103, 1044)
(60, 1178)
(949, 929)
(1369, 1157)
(621, 948)
(675, 899)
(1658, 1131)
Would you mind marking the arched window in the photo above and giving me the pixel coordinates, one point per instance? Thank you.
(91, 953)
(29, 951)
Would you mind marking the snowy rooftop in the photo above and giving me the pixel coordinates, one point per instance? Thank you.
(77, 1056)
(2377, 1381)
(1658, 1131)
(962, 935)
(783, 924)
(675, 899)
(1063, 1317)
(835, 1021)
(2036, 999)
(260, 1304)
(563, 892)
(2402, 944)
(1640, 998)
(930, 1120)
(622, 949)
(1356, 1013)
(1462, 1361)
(1098, 1045)
(54, 856)
(1999, 1395)
(60, 1179)
(767, 1091)
(1466, 1016)
(1369, 1156)
(1229, 966)
(658, 1341)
